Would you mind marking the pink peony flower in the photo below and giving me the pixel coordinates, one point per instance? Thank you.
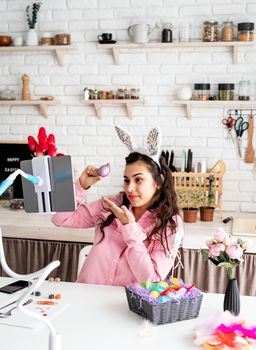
(215, 249)
(220, 235)
(234, 251)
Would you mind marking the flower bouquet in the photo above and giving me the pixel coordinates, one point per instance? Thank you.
(45, 146)
(225, 251)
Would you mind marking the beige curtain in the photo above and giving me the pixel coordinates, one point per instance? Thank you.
(23, 254)
(210, 278)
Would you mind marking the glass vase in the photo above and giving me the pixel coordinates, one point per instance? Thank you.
(232, 296)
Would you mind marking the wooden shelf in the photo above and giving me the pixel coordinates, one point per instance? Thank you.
(58, 50)
(217, 104)
(41, 104)
(233, 45)
(127, 103)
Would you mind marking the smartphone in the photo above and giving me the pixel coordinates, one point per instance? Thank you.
(14, 287)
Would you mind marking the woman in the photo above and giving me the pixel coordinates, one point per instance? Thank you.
(134, 231)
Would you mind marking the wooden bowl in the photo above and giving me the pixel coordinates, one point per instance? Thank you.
(5, 40)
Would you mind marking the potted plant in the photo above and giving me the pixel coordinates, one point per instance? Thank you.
(193, 199)
(207, 210)
(32, 16)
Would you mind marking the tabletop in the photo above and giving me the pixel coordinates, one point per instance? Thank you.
(98, 318)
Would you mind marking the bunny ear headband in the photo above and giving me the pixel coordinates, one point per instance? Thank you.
(153, 143)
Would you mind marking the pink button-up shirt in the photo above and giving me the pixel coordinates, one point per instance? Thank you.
(124, 256)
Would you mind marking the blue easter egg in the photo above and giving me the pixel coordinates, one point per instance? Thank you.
(163, 299)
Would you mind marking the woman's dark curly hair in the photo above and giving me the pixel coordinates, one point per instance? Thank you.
(164, 203)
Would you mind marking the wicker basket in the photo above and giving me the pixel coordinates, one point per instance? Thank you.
(168, 312)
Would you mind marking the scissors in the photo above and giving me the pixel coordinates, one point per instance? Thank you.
(229, 123)
(240, 127)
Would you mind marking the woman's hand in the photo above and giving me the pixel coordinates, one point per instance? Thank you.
(123, 214)
(89, 177)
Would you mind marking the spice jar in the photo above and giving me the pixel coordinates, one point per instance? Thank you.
(227, 33)
(120, 94)
(210, 31)
(167, 33)
(226, 92)
(201, 92)
(245, 31)
(135, 94)
(244, 90)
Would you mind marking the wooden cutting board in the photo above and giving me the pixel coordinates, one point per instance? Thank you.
(249, 153)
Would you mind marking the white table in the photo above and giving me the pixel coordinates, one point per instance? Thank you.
(98, 318)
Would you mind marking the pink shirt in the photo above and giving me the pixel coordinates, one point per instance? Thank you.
(124, 256)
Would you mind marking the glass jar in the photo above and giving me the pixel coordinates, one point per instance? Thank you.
(201, 92)
(86, 94)
(135, 94)
(245, 31)
(210, 31)
(120, 94)
(226, 92)
(227, 33)
(244, 90)
(185, 32)
(167, 33)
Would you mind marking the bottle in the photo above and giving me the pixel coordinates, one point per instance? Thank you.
(167, 33)
(227, 33)
(226, 92)
(201, 92)
(244, 90)
(86, 94)
(210, 31)
(245, 31)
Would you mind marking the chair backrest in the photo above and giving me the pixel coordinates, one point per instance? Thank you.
(82, 256)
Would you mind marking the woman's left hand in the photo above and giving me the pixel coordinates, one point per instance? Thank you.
(122, 213)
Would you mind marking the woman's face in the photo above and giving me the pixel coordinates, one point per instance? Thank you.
(139, 185)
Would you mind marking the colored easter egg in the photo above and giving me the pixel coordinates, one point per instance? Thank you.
(104, 170)
(163, 283)
(163, 299)
(154, 294)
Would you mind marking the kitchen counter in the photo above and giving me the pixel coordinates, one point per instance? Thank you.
(19, 224)
(31, 241)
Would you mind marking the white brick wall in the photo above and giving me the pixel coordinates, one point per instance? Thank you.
(158, 73)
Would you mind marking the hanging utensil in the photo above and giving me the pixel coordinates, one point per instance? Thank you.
(240, 127)
(249, 153)
(183, 161)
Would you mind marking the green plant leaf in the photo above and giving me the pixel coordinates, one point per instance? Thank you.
(204, 252)
(214, 261)
(226, 265)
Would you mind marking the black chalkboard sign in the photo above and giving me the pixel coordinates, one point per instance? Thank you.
(11, 154)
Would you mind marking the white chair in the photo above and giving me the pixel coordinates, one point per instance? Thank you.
(82, 256)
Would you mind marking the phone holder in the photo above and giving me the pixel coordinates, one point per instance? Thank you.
(37, 278)
(45, 181)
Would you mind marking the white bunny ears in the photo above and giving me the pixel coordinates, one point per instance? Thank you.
(153, 142)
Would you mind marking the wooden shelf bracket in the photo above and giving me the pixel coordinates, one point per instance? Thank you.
(97, 104)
